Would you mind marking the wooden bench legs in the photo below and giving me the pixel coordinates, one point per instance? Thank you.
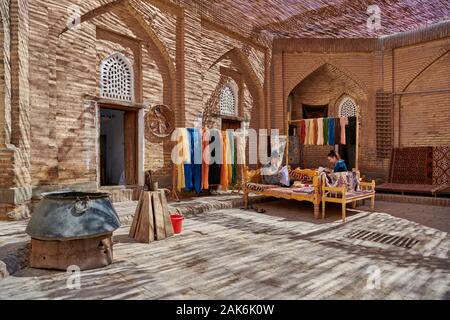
(246, 200)
(344, 211)
(323, 209)
(317, 210)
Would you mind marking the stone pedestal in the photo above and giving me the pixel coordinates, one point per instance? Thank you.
(84, 253)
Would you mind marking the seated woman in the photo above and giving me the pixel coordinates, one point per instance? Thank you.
(337, 162)
(270, 171)
(273, 173)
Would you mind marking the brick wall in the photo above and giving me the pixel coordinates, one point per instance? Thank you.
(5, 75)
(413, 66)
(180, 67)
(423, 110)
(50, 80)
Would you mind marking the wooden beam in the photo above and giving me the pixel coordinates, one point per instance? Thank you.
(115, 103)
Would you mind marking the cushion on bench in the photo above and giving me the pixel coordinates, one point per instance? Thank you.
(297, 175)
(259, 187)
(288, 191)
(305, 190)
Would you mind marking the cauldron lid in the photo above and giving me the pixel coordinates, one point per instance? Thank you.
(72, 215)
(74, 195)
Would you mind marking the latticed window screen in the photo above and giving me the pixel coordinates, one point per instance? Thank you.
(116, 78)
(227, 101)
(348, 108)
(384, 107)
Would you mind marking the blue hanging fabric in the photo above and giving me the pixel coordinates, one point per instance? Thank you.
(331, 131)
(193, 170)
(188, 168)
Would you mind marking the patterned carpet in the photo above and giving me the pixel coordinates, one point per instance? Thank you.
(412, 165)
(441, 165)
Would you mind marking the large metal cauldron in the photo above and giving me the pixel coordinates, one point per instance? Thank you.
(72, 228)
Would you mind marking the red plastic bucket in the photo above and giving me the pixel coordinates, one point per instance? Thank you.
(177, 223)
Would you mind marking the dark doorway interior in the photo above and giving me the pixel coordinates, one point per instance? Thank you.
(118, 147)
(228, 124)
(348, 154)
(348, 151)
(312, 112)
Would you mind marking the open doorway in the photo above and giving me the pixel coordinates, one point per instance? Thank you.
(118, 147)
(348, 154)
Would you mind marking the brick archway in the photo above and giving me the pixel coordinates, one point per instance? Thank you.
(135, 22)
(319, 65)
(442, 52)
(250, 78)
(429, 128)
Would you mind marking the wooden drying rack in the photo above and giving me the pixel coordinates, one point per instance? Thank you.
(289, 121)
(174, 192)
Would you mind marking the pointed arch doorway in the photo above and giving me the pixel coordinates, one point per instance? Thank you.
(326, 92)
(120, 125)
(348, 108)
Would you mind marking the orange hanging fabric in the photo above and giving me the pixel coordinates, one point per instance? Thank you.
(224, 182)
(230, 160)
(315, 131)
(344, 122)
(183, 156)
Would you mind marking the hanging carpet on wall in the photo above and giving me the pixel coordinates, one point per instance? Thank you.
(441, 168)
(294, 151)
(419, 170)
(441, 165)
(412, 165)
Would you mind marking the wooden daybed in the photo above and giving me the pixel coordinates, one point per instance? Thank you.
(343, 188)
(310, 191)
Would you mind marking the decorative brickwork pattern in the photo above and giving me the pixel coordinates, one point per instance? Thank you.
(384, 106)
(117, 78)
(348, 107)
(441, 165)
(227, 101)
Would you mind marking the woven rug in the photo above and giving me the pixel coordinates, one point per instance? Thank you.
(294, 151)
(412, 165)
(441, 165)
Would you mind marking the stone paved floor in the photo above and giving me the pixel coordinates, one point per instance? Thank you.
(281, 254)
